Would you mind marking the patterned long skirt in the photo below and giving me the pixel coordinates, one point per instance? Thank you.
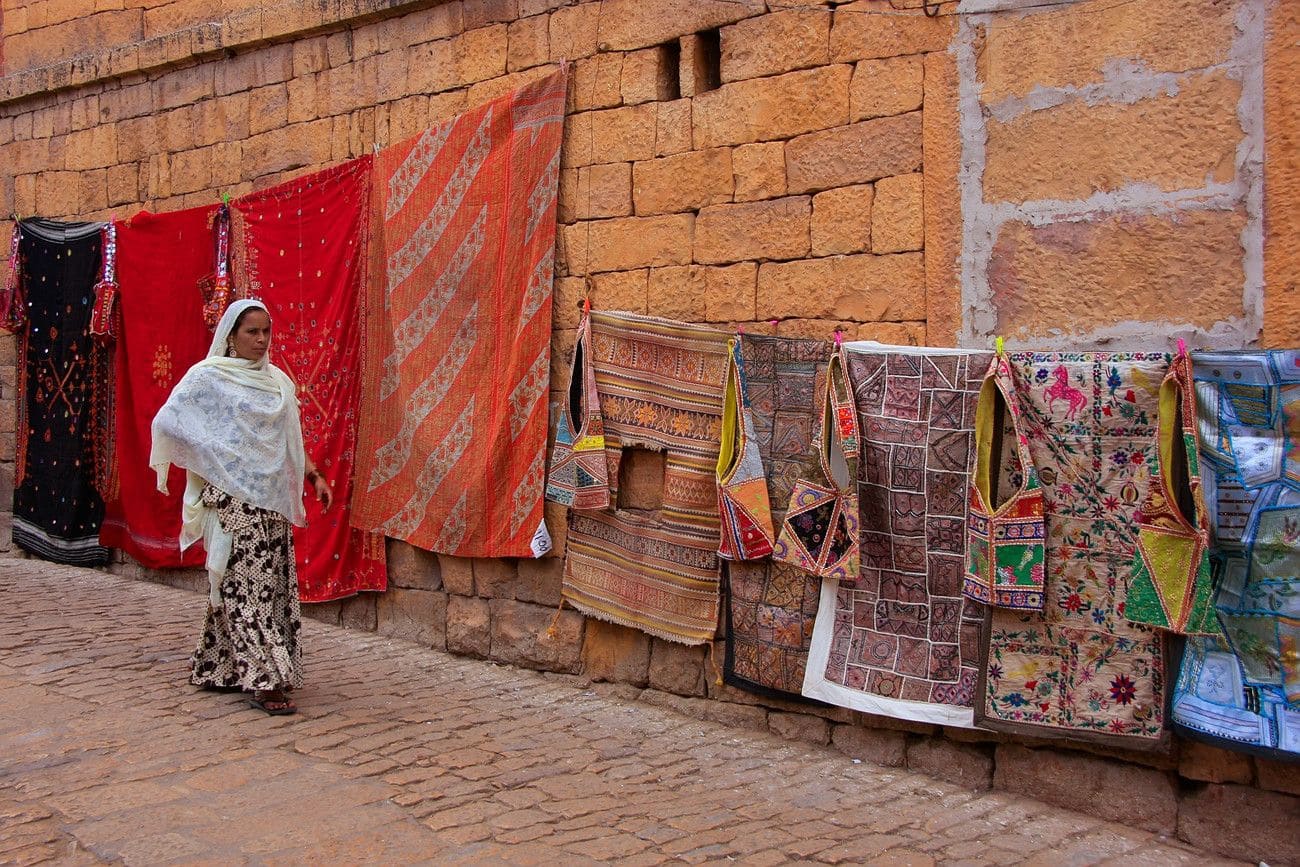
(251, 641)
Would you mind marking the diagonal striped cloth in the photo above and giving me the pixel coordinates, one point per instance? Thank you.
(452, 455)
(660, 386)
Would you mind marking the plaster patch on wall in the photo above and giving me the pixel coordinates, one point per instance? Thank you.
(1125, 82)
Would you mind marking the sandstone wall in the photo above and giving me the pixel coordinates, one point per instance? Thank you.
(1091, 172)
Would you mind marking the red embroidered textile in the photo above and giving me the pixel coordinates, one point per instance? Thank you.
(160, 258)
(453, 453)
(301, 248)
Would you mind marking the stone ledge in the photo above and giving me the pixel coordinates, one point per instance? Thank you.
(243, 30)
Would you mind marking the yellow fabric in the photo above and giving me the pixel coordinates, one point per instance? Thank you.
(1167, 426)
(727, 453)
(984, 440)
(1169, 561)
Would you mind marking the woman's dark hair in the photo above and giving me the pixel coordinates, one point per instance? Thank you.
(247, 310)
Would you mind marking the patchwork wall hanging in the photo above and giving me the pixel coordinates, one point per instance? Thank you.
(300, 247)
(771, 606)
(1079, 669)
(820, 531)
(160, 259)
(1243, 690)
(902, 641)
(63, 400)
(458, 346)
(743, 504)
(579, 475)
(1171, 582)
(660, 385)
(1006, 538)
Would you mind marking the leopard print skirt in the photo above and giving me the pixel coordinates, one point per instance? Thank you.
(251, 641)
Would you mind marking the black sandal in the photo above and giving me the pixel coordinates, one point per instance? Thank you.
(263, 702)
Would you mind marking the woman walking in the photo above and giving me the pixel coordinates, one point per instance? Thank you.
(232, 423)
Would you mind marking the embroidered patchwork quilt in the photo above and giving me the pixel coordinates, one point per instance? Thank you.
(1080, 669)
(454, 414)
(902, 641)
(771, 606)
(660, 386)
(1243, 690)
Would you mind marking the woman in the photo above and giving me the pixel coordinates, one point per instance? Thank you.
(232, 423)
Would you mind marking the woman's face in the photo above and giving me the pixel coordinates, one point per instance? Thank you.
(253, 335)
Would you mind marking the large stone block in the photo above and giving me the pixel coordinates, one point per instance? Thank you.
(412, 567)
(776, 229)
(859, 31)
(360, 612)
(942, 144)
(628, 24)
(495, 577)
(886, 87)
(1088, 784)
(730, 292)
(672, 127)
(531, 636)
(854, 154)
(457, 574)
(1241, 822)
(1277, 776)
(92, 148)
(683, 182)
(967, 765)
(776, 42)
(648, 76)
(616, 653)
(677, 668)
(676, 292)
(1074, 150)
(620, 290)
(603, 190)
(841, 220)
(1197, 761)
(860, 288)
(539, 581)
(413, 615)
(469, 626)
(897, 224)
(612, 135)
(760, 171)
(323, 612)
(722, 712)
(1159, 36)
(878, 746)
(766, 109)
(638, 242)
(799, 727)
(1129, 270)
(528, 42)
(597, 83)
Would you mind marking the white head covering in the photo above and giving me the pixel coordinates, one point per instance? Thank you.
(231, 423)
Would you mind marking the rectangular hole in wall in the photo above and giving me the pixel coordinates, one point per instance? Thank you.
(641, 479)
(708, 60)
(668, 83)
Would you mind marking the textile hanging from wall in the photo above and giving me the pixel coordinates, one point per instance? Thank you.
(453, 444)
(660, 386)
(1080, 669)
(771, 606)
(63, 397)
(1243, 690)
(904, 642)
(160, 260)
(300, 247)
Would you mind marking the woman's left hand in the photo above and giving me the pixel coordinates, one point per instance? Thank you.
(323, 493)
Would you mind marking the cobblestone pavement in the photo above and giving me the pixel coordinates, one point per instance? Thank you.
(402, 754)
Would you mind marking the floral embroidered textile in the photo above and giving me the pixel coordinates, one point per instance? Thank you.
(1006, 548)
(103, 315)
(1079, 669)
(1242, 690)
(820, 531)
(660, 386)
(902, 641)
(1171, 585)
(579, 476)
(743, 504)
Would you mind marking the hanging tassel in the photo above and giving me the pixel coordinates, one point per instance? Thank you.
(717, 672)
(552, 631)
(103, 316)
(216, 287)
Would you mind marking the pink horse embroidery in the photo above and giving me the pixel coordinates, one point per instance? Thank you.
(1062, 390)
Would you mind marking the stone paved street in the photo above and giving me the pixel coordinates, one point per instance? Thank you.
(402, 754)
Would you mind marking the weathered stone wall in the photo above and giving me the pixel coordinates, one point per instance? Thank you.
(1070, 174)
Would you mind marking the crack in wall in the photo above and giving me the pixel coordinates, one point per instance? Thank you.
(1125, 82)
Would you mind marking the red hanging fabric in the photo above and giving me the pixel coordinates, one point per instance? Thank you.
(301, 247)
(160, 258)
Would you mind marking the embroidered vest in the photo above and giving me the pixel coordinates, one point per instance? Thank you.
(217, 288)
(743, 504)
(1171, 587)
(103, 315)
(579, 476)
(820, 531)
(13, 302)
(1006, 545)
